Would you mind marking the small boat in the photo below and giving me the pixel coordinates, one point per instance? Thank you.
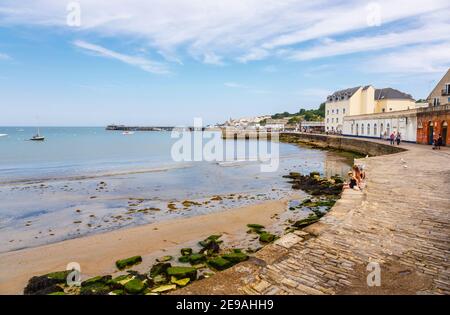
(37, 137)
(128, 133)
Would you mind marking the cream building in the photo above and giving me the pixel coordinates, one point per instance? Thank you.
(441, 93)
(362, 101)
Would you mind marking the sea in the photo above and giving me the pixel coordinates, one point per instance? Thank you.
(85, 180)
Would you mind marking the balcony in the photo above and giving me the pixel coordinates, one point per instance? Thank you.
(445, 92)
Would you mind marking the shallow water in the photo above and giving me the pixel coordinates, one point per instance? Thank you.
(87, 180)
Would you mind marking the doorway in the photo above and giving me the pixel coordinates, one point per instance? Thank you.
(430, 133)
(444, 132)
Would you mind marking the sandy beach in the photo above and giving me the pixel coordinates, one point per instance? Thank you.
(97, 254)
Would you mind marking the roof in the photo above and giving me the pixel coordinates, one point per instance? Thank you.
(390, 93)
(346, 92)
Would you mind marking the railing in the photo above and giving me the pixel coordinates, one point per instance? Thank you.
(445, 92)
(438, 108)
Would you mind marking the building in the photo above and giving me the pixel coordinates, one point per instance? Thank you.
(381, 125)
(433, 120)
(276, 124)
(362, 101)
(312, 126)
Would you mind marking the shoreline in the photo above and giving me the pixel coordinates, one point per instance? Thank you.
(146, 240)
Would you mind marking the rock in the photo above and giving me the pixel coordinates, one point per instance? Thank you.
(98, 279)
(255, 226)
(196, 258)
(159, 268)
(186, 251)
(180, 272)
(128, 262)
(210, 245)
(46, 284)
(235, 257)
(164, 258)
(95, 289)
(266, 237)
(160, 279)
(183, 259)
(164, 288)
(120, 281)
(134, 286)
(181, 282)
(219, 263)
(312, 218)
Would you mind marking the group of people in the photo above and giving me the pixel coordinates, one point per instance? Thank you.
(356, 177)
(395, 137)
(437, 143)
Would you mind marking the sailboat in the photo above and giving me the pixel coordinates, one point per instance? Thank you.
(37, 137)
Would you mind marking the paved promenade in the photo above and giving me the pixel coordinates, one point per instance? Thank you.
(401, 221)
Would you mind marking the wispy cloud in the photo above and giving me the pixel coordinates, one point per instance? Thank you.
(421, 59)
(5, 57)
(234, 85)
(222, 31)
(137, 61)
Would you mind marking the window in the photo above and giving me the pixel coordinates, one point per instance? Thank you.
(332, 120)
(352, 128)
(337, 111)
(337, 120)
(328, 112)
(328, 120)
(381, 128)
(436, 101)
(388, 130)
(447, 88)
(375, 131)
(343, 111)
(332, 111)
(362, 129)
(368, 129)
(383, 110)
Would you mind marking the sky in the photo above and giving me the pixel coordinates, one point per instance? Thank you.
(164, 62)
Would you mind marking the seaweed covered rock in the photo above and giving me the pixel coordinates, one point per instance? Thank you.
(312, 218)
(135, 286)
(95, 289)
(315, 185)
(210, 245)
(128, 262)
(164, 258)
(235, 257)
(219, 263)
(158, 269)
(196, 258)
(267, 237)
(98, 279)
(186, 251)
(181, 272)
(46, 284)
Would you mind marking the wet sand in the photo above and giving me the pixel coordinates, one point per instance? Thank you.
(97, 254)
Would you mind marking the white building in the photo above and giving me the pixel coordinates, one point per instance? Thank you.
(381, 125)
(360, 101)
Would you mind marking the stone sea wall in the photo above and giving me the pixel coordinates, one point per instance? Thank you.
(360, 146)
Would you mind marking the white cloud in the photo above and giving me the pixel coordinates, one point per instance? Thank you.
(212, 59)
(140, 62)
(250, 89)
(221, 30)
(4, 56)
(429, 33)
(418, 59)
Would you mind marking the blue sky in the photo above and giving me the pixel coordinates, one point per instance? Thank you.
(164, 62)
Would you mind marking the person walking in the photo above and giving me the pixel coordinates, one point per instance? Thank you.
(392, 138)
(439, 142)
(398, 138)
